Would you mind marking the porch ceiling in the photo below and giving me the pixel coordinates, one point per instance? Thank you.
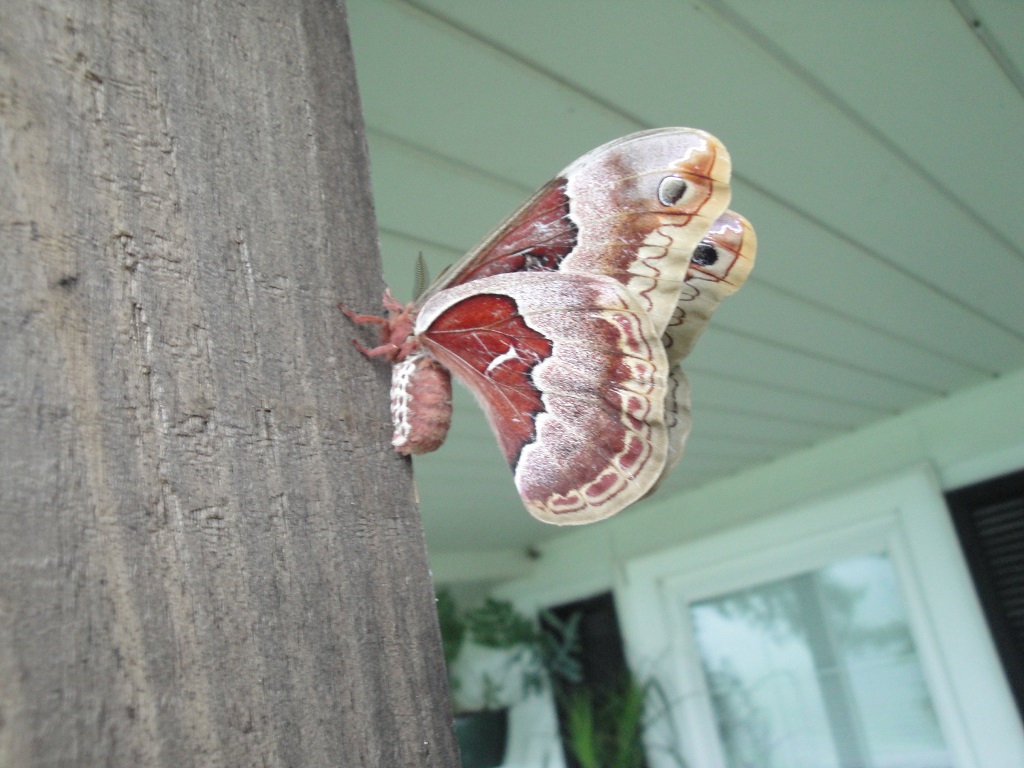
(878, 150)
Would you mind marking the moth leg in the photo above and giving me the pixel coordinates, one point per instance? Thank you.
(362, 319)
(391, 351)
(395, 329)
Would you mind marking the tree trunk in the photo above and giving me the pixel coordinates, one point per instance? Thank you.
(209, 553)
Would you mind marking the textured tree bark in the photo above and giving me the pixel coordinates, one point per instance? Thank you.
(209, 553)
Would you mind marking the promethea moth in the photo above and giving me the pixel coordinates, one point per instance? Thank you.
(568, 323)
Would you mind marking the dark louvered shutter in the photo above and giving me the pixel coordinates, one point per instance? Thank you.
(989, 519)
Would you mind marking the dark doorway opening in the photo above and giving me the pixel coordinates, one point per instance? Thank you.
(604, 672)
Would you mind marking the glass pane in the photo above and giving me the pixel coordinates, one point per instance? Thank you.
(818, 671)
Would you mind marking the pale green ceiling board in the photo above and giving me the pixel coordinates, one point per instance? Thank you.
(786, 319)
(709, 407)
(446, 160)
(700, 466)
(472, 511)
(722, 451)
(401, 244)
(798, 257)
(775, 316)
(707, 460)
(743, 371)
(428, 82)
(399, 255)
(872, 201)
(720, 392)
(786, 367)
(912, 72)
(470, 451)
(1004, 20)
(467, 467)
(727, 425)
(673, 78)
(707, 468)
(693, 474)
(431, 202)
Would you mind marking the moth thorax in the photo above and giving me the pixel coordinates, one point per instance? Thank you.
(421, 404)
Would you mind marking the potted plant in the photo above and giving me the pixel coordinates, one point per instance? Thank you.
(525, 657)
(605, 727)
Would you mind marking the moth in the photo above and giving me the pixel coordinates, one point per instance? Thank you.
(569, 321)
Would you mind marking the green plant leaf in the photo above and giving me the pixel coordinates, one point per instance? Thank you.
(559, 647)
(497, 624)
(627, 708)
(582, 736)
(605, 727)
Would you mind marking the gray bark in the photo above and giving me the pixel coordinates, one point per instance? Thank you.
(209, 553)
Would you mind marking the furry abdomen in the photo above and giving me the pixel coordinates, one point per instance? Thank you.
(421, 404)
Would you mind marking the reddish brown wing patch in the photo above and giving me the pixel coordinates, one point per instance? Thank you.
(535, 238)
(470, 336)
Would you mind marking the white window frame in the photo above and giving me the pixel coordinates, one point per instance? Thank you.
(905, 517)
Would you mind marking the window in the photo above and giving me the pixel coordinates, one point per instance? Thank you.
(818, 670)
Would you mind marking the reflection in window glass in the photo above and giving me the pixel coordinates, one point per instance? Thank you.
(818, 671)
